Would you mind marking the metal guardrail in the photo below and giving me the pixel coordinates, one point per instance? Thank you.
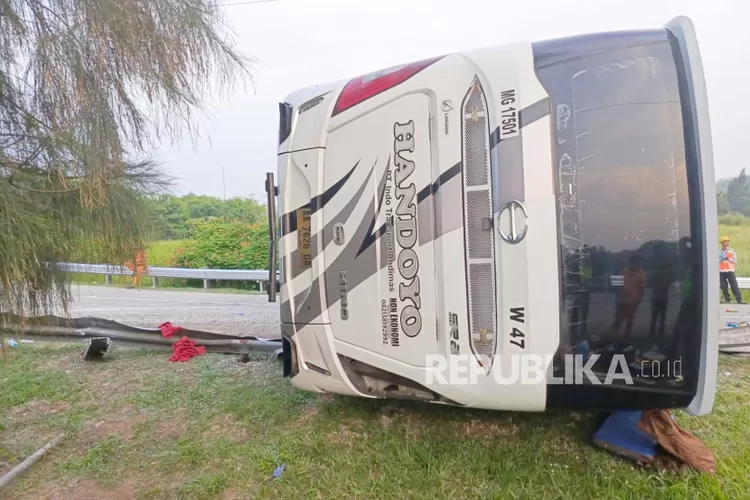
(733, 338)
(207, 275)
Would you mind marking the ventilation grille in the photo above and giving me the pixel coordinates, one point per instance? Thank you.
(476, 154)
(482, 308)
(478, 207)
(479, 241)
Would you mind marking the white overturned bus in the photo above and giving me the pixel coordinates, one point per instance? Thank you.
(477, 210)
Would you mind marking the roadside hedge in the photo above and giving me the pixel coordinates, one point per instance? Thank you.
(217, 243)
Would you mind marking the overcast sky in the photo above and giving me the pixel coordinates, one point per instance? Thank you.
(307, 42)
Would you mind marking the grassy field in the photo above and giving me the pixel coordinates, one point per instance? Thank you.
(138, 426)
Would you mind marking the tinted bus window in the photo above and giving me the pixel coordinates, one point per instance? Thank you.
(624, 221)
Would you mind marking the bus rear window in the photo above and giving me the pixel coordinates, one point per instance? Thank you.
(624, 210)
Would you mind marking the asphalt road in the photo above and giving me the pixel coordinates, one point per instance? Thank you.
(219, 312)
(208, 311)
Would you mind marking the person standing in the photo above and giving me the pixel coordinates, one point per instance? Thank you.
(727, 267)
(634, 285)
(582, 294)
(138, 267)
(662, 283)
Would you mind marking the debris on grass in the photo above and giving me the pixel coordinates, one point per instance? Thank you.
(10, 476)
(279, 471)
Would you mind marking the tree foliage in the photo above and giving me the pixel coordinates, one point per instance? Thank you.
(722, 203)
(88, 88)
(738, 194)
(733, 195)
(170, 214)
(218, 243)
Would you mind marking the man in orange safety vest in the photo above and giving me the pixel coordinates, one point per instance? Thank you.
(138, 266)
(727, 266)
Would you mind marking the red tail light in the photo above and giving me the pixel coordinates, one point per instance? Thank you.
(363, 87)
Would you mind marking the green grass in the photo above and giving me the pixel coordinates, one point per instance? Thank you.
(140, 427)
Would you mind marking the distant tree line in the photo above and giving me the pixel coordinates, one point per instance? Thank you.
(733, 195)
(171, 215)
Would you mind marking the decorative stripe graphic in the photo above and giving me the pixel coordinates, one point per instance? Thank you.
(292, 271)
(289, 220)
(359, 258)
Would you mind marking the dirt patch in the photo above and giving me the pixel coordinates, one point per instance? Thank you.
(123, 427)
(90, 490)
(84, 490)
(36, 408)
(63, 362)
(233, 494)
(346, 434)
(413, 422)
(308, 415)
(484, 429)
(415, 425)
(343, 436)
(389, 414)
(125, 383)
(226, 425)
(173, 427)
(21, 436)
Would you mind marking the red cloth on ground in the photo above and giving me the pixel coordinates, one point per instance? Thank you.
(185, 349)
(167, 330)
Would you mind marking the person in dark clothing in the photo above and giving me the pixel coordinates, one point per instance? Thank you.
(687, 315)
(663, 279)
(580, 315)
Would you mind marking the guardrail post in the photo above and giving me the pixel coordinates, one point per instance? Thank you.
(261, 286)
(107, 279)
(154, 282)
(206, 284)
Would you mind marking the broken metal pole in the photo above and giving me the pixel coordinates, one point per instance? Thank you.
(23, 466)
(150, 340)
(732, 338)
(100, 334)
